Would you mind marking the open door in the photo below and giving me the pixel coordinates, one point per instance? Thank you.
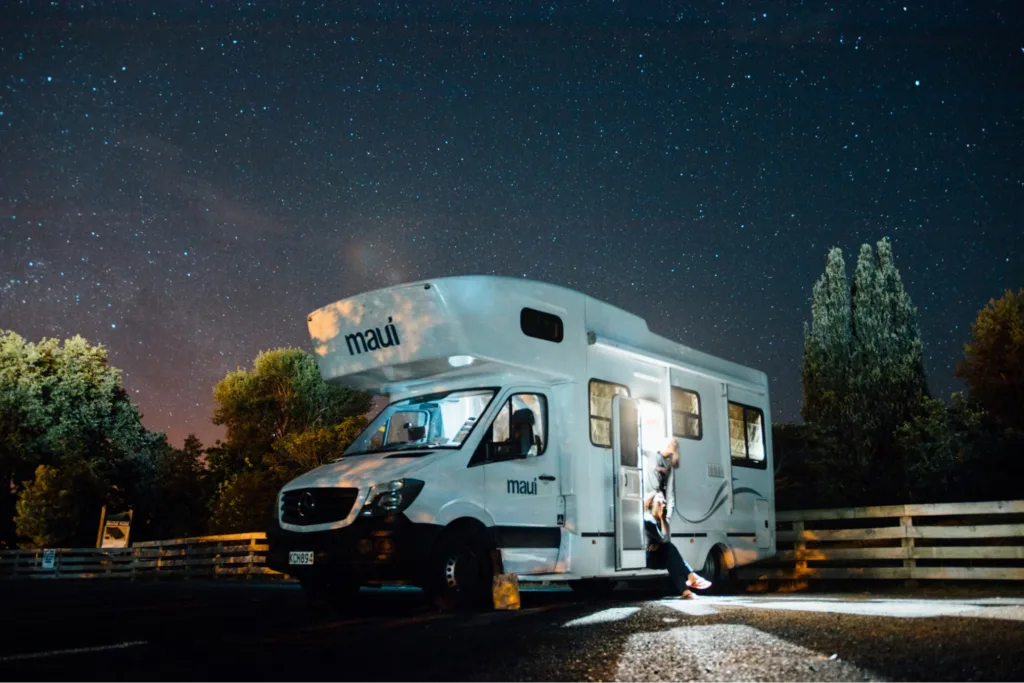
(630, 548)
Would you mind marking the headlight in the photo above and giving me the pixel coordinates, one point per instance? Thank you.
(391, 497)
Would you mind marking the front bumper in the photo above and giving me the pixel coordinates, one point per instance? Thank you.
(370, 550)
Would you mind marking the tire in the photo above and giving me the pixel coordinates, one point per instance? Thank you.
(329, 594)
(460, 572)
(714, 571)
(593, 589)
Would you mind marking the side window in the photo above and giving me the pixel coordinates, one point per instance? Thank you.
(377, 440)
(601, 394)
(500, 426)
(746, 436)
(520, 429)
(541, 325)
(686, 422)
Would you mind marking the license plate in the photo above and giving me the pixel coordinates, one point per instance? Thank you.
(300, 557)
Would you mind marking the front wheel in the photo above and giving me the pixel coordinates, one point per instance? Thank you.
(460, 573)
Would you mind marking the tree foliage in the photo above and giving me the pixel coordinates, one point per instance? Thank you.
(177, 493)
(828, 347)
(993, 364)
(960, 453)
(863, 373)
(61, 506)
(282, 419)
(63, 408)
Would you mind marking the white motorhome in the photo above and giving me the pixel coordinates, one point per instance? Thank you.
(522, 415)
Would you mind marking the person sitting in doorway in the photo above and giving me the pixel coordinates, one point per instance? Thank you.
(662, 553)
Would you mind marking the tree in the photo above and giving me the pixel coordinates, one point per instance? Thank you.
(960, 453)
(64, 407)
(940, 445)
(61, 506)
(828, 346)
(993, 364)
(889, 382)
(863, 372)
(176, 504)
(306, 450)
(282, 419)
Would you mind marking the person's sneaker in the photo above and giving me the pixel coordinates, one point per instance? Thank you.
(687, 595)
(699, 583)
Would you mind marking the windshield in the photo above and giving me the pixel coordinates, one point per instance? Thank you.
(440, 420)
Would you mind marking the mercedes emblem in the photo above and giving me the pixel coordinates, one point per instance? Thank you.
(306, 504)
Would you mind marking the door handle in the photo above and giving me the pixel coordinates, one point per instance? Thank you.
(546, 477)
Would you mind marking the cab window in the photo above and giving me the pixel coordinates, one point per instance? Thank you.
(407, 426)
(519, 429)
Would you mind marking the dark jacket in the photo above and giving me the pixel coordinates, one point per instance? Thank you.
(655, 536)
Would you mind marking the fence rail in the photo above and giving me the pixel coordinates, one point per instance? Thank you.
(983, 541)
(235, 555)
(944, 541)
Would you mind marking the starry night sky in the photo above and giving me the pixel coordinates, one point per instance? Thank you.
(184, 182)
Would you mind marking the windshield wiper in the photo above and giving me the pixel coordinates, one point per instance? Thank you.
(413, 446)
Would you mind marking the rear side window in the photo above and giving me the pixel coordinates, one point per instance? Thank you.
(601, 394)
(746, 436)
(541, 325)
(686, 422)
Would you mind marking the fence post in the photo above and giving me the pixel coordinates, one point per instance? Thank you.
(909, 562)
(799, 550)
(251, 562)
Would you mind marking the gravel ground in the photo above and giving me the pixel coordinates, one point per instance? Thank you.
(197, 631)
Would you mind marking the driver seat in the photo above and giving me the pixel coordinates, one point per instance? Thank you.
(522, 430)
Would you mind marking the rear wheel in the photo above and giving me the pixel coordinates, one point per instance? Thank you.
(461, 572)
(714, 571)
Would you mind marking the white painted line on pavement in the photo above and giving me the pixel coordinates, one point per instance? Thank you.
(729, 652)
(604, 616)
(74, 651)
(877, 608)
(691, 607)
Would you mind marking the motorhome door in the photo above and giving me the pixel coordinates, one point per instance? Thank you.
(630, 548)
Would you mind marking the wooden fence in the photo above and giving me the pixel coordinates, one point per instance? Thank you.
(231, 555)
(945, 541)
(974, 541)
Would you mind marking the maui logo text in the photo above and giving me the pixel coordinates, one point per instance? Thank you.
(525, 488)
(372, 339)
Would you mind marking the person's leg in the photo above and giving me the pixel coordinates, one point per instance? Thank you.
(678, 570)
(678, 566)
(659, 558)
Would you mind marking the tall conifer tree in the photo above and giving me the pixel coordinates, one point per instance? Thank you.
(863, 370)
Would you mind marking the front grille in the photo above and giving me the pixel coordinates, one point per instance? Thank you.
(303, 507)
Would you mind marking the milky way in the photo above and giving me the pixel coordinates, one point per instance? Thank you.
(183, 182)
